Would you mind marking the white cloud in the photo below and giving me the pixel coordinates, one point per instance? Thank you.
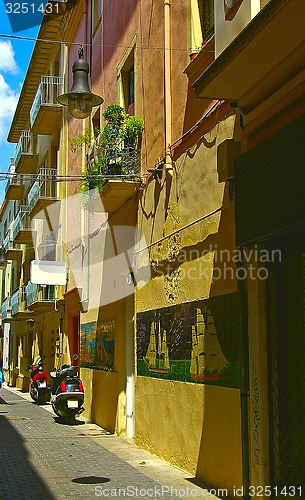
(8, 99)
(8, 96)
(7, 60)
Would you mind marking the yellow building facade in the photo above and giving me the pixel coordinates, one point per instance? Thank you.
(183, 297)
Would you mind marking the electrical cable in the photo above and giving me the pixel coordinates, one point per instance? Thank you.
(219, 209)
(43, 40)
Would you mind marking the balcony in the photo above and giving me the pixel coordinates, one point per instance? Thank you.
(14, 185)
(45, 111)
(40, 298)
(234, 75)
(21, 228)
(43, 191)
(18, 304)
(12, 249)
(121, 178)
(6, 310)
(26, 157)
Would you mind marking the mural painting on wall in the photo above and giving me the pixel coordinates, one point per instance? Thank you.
(193, 342)
(87, 344)
(105, 345)
(97, 345)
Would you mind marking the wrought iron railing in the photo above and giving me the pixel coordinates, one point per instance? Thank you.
(44, 186)
(22, 220)
(48, 89)
(17, 300)
(122, 160)
(8, 242)
(27, 144)
(39, 293)
(6, 309)
(13, 179)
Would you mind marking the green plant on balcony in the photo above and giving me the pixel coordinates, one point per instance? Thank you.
(81, 140)
(115, 148)
(132, 130)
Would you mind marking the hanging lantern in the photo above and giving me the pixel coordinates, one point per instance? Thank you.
(80, 100)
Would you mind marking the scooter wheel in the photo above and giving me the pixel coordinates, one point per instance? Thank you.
(70, 418)
(55, 411)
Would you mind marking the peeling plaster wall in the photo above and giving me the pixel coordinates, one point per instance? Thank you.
(197, 426)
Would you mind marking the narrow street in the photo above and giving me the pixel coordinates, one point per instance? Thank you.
(44, 459)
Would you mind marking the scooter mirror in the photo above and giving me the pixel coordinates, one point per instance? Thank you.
(74, 357)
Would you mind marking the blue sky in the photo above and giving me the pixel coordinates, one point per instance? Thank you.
(14, 60)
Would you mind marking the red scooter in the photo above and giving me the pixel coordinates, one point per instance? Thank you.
(40, 391)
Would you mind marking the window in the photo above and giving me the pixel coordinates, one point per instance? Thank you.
(202, 22)
(206, 10)
(96, 122)
(126, 77)
(127, 81)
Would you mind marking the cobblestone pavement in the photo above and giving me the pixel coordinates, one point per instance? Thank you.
(42, 458)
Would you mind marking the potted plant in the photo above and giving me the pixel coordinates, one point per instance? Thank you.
(194, 52)
(132, 130)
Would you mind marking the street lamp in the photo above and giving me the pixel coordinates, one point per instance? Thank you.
(3, 260)
(80, 100)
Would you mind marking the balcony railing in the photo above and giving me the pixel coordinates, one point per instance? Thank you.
(14, 184)
(10, 246)
(38, 293)
(6, 309)
(17, 300)
(122, 162)
(22, 221)
(27, 144)
(119, 174)
(44, 188)
(48, 89)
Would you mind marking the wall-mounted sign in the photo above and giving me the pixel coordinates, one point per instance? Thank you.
(45, 272)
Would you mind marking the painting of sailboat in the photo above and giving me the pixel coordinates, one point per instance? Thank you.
(207, 359)
(157, 358)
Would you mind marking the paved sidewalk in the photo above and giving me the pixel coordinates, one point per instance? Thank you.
(44, 459)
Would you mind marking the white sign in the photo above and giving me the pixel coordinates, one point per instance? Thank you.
(45, 272)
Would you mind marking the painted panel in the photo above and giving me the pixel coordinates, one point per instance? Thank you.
(97, 345)
(193, 342)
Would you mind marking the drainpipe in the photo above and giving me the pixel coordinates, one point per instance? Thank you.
(84, 303)
(167, 86)
(10, 340)
(244, 375)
